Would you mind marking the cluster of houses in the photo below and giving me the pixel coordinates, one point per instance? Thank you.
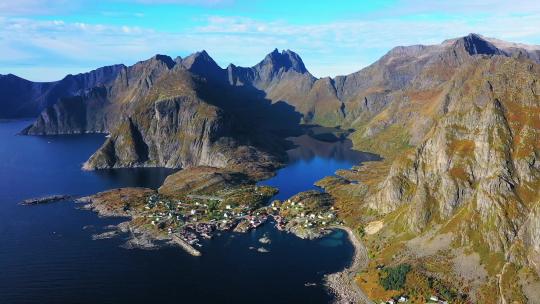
(298, 214)
(189, 236)
(193, 217)
(198, 216)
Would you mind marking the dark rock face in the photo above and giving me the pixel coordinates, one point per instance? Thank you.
(180, 133)
(203, 65)
(476, 45)
(74, 115)
(276, 63)
(23, 98)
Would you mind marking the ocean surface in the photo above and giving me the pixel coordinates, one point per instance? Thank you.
(47, 254)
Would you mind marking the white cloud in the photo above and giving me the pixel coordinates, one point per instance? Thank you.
(329, 48)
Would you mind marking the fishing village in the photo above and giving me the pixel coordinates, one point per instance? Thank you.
(212, 202)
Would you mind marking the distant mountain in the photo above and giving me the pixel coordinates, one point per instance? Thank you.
(23, 98)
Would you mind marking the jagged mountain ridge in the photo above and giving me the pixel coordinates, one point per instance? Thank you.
(375, 101)
(344, 100)
(175, 125)
(160, 113)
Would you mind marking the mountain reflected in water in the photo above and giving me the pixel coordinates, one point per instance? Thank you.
(311, 160)
(308, 148)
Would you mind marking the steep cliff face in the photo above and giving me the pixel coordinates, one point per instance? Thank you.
(175, 113)
(393, 103)
(23, 98)
(483, 151)
(457, 195)
(173, 127)
(180, 133)
(474, 179)
(99, 109)
(74, 115)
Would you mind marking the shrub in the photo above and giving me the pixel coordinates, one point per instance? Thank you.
(394, 278)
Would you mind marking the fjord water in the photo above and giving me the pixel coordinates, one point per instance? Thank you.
(311, 160)
(47, 254)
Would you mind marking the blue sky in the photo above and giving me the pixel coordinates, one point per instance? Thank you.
(44, 40)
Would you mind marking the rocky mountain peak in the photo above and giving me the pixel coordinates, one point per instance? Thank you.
(476, 44)
(168, 61)
(287, 59)
(199, 60)
(202, 64)
(10, 76)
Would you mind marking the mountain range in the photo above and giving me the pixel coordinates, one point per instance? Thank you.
(456, 196)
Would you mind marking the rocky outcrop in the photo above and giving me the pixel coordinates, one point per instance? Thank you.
(177, 132)
(99, 109)
(173, 126)
(201, 180)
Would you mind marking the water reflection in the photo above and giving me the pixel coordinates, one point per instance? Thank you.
(312, 160)
(149, 177)
(308, 147)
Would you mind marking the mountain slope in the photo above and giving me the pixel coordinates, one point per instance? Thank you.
(457, 199)
(23, 98)
(174, 126)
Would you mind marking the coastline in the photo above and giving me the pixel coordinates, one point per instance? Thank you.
(136, 234)
(184, 245)
(342, 283)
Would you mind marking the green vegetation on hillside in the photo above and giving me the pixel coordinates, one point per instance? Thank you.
(395, 277)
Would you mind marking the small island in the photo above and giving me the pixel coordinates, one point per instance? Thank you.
(45, 199)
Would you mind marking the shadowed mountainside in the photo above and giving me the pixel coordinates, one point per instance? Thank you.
(160, 113)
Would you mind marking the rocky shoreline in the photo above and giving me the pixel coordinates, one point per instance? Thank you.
(342, 284)
(138, 238)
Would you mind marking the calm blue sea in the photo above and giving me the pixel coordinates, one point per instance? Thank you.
(46, 256)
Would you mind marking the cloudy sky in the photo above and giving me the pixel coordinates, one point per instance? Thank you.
(44, 40)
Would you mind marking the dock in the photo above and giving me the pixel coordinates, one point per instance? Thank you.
(187, 247)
